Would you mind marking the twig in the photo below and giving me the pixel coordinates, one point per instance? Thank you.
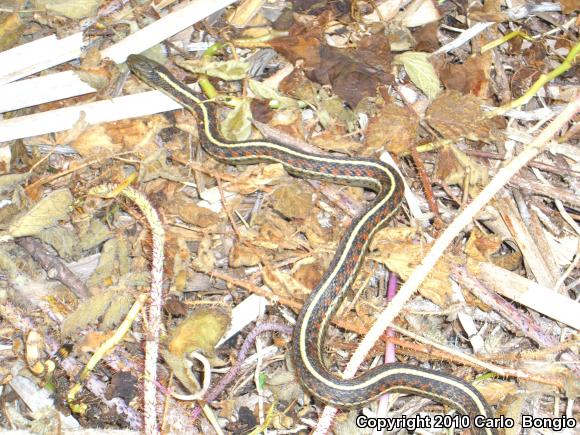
(53, 266)
(437, 222)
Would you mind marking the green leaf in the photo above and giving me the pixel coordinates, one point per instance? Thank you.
(225, 70)
(262, 378)
(238, 124)
(421, 72)
(277, 100)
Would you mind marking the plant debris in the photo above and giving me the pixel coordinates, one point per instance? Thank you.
(146, 286)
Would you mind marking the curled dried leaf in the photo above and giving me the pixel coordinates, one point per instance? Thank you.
(200, 331)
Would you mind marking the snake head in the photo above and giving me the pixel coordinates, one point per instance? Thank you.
(146, 69)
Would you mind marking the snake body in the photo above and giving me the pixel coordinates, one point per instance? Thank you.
(314, 318)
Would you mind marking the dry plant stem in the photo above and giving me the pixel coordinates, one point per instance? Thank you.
(227, 208)
(43, 181)
(534, 354)
(286, 139)
(534, 163)
(445, 351)
(350, 326)
(464, 218)
(338, 197)
(475, 362)
(522, 323)
(53, 266)
(242, 355)
(538, 188)
(154, 313)
(437, 222)
(521, 230)
(531, 294)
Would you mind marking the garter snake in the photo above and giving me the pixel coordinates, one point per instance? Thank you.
(314, 318)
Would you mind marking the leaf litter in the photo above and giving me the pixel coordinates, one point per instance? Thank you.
(348, 78)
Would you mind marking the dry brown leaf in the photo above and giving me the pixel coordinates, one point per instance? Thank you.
(284, 385)
(94, 142)
(482, 246)
(402, 259)
(426, 37)
(181, 256)
(113, 137)
(332, 113)
(98, 77)
(308, 273)
(331, 140)
(275, 233)
(569, 6)
(316, 233)
(283, 284)
(392, 126)
(453, 166)
(9, 182)
(74, 9)
(255, 177)
(298, 86)
(458, 116)
(181, 370)
(293, 200)
(194, 214)
(353, 75)
(243, 256)
(471, 77)
(522, 78)
(93, 340)
(489, 11)
(496, 391)
(511, 261)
